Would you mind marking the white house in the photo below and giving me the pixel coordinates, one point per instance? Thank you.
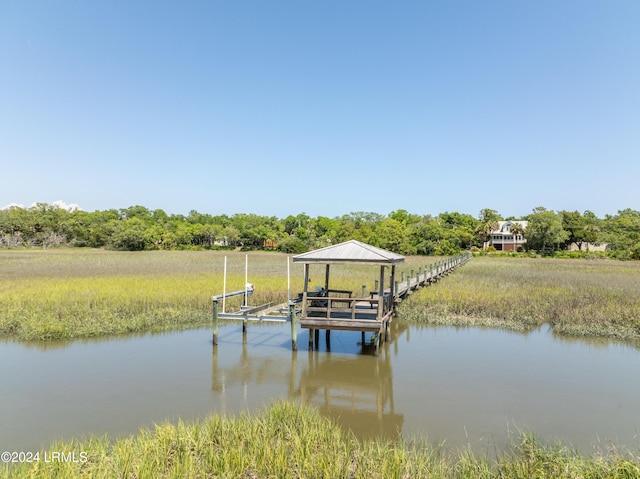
(503, 239)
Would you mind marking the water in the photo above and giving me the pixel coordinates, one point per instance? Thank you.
(461, 387)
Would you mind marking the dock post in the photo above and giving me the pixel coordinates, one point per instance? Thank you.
(395, 289)
(311, 335)
(215, 322)
(364, 290)
(317, 338)
(294, 327)
(244, 330)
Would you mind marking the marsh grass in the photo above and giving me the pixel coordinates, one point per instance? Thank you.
(71, 293)
(292, 441)
(575, 297)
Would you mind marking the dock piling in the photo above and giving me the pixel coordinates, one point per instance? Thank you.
(294, 326)
(215, 321)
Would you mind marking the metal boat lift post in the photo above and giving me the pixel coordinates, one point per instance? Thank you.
(268, 312)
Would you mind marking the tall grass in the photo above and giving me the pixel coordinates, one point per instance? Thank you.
(69, 293)
(575, 297)
(293, 441)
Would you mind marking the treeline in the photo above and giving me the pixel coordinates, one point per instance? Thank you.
(138, 228)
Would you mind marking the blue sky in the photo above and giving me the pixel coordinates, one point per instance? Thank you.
(324, 108)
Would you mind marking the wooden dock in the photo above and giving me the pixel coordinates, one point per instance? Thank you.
(331, 309)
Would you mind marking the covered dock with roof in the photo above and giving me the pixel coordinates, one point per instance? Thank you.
(332, 309)
(329, 309)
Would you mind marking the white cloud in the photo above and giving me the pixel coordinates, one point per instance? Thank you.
(12, 205)
(65, 206)
(59, 204)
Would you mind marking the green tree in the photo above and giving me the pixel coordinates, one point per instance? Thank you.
(488, 221)
(582, 229)
(393, 236)
(130, 235)
(622, 232)
(136, 212)
(544, 230)
(230, 236)
(517, 230)
(293, 245)
(426, 235)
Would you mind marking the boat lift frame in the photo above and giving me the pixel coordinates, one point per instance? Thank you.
(267, 312)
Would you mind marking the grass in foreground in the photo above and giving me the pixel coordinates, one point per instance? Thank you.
(576, 297)
(293, 441)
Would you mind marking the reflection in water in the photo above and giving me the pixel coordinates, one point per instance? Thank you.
(468, 386)
(357, 394)
(354, 391)
(59, 344)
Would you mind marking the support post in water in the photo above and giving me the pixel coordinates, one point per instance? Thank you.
(294, 327)
(215, 322)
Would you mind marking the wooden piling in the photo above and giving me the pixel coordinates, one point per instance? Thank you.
(294, 327)
(215, 321)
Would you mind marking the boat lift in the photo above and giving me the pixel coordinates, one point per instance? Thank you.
(267, 312)
(264, 312)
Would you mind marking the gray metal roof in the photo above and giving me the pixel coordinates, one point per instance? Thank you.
(351, 251)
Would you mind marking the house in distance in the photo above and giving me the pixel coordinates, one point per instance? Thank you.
(509, 236)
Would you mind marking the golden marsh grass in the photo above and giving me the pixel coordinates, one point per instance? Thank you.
(68, 293)
(575, 297)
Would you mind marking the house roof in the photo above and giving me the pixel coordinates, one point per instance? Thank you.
(505, 226)
(351, 251)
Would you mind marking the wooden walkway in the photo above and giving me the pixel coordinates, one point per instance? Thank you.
(330, 309)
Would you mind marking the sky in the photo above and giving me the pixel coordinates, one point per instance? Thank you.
(284, 107)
